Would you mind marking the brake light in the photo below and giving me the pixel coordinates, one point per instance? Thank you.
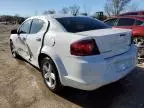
(84, 48)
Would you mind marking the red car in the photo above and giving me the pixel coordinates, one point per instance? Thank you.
(136, 23)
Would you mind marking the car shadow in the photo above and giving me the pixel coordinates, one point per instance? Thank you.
(100, 98)
(110, 95)
(103, 97)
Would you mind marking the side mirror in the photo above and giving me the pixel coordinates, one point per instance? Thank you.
(14, 31)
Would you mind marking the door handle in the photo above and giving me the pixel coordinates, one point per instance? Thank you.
(38, 39)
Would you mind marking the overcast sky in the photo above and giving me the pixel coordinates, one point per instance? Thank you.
(37, 7)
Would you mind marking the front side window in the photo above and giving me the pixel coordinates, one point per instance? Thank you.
(126, 22)
(25, 27)
(36, 26)
(79, 24)
(111, 22)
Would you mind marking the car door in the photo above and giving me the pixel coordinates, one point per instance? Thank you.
(23, 32)
(35, 38)
(126, 23)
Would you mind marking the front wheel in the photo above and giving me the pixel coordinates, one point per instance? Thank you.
(50, 75)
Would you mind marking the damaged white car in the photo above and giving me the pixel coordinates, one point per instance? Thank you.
(79, 52)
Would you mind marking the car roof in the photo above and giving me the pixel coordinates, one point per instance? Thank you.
(54, 16)
(139, 17)
(135, 12)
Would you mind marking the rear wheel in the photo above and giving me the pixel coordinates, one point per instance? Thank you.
(13, 50)
(50, 75)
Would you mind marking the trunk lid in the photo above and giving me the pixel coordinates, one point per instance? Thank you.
(111, 42)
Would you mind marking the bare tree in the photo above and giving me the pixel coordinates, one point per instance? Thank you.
(108, 9)
(115, 7)
(49, 12)
(65, 10)
(86, 11)
(74, 9)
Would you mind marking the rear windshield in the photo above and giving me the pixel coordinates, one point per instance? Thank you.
(80, 24)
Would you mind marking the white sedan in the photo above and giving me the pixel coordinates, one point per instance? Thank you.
(79, 52)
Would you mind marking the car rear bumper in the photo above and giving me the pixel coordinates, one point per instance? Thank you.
(90, 74)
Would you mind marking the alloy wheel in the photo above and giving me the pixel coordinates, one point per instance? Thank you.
(49, 76)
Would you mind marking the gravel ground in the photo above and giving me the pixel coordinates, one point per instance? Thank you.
(21, 86)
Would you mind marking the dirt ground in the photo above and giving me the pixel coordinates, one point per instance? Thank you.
(21, 86)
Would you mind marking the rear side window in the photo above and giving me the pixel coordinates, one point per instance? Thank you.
(126, 22)
(79, 24)
(111, 22)
(36, 26)
(140, 23)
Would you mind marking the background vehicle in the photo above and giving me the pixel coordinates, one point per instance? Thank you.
(136, 23)
(132, 13)
(79, 52)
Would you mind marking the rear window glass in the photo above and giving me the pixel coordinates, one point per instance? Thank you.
(79, 24)
(126, 22)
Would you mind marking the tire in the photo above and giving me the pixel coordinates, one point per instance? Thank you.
(13, 51)
(50, 75)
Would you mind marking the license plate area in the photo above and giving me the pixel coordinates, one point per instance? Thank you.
(123, 65)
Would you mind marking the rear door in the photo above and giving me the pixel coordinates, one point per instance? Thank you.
(35, 38)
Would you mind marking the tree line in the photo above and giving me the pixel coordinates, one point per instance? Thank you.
(11, 19)
(111, 8)
(73, 10)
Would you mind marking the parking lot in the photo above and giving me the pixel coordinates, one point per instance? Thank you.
(21, 86)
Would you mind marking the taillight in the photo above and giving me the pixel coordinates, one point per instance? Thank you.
(84, 48)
